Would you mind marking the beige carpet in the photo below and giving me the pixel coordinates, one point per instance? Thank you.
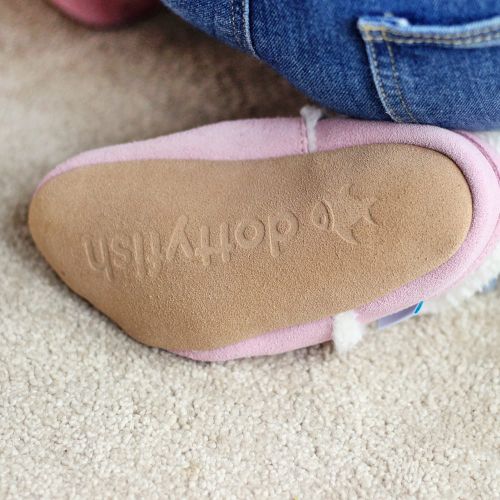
(85, 412)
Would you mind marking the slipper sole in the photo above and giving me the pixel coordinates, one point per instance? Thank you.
(198, 254)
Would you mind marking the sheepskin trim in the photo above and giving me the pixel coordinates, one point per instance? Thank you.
(347, 331)
(492, 138)
(472, 284)
(311, 115)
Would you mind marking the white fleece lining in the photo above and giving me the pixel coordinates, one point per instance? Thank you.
(311, 115)
(469, 286)
(347, 331)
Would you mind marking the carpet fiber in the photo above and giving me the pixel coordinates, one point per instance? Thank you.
(86, 412)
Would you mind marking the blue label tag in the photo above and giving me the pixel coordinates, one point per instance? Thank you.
(491, 286)
(399, 316)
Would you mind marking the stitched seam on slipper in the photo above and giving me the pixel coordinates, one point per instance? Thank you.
(303, 137)
(496, 168)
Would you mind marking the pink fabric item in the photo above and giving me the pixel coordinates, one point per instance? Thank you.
(105, 13)
(482, 180)
(249, 139)
(252, 139)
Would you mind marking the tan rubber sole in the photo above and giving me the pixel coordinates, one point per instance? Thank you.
(195, 255)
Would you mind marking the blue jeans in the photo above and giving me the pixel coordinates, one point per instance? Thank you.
(420, 61)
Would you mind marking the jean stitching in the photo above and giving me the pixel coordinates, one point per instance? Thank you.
(246, 24)
(464, 39)
(244, 37)
(410, 41)
(233, 22)
(237, 23)
(380, 85)
(397, 81)
(470, 33)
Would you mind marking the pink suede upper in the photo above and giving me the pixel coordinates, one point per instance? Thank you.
(253, 139)
(483, 182)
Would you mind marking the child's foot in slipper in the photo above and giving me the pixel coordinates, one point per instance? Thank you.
(261, 236)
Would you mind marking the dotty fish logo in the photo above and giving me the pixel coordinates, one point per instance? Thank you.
(341, 212)
(145, 253)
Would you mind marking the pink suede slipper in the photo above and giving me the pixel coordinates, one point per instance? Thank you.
(106, 13)
(256, 237)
